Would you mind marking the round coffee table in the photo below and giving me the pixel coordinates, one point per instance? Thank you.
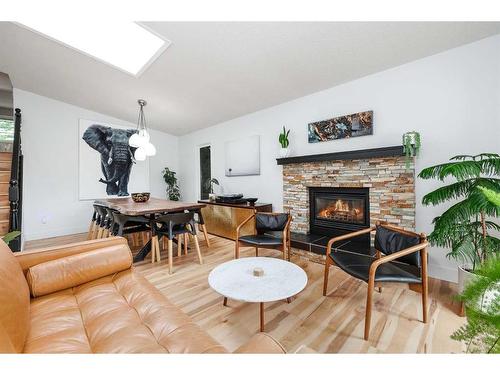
(235, 279)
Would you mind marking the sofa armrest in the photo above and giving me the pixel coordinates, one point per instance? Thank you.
(31, 258)
(77, 269)
(261, 343)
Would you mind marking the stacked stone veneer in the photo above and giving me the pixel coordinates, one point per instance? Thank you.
(392, 188)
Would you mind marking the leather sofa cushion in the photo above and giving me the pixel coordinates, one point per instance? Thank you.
(73, 270)
(121, 313)
(261, 343)
(14, 302)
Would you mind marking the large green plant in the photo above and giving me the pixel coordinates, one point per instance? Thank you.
(464, 227)
(283, 138)
(481, 333)
(173, 191)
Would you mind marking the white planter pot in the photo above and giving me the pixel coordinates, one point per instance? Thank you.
(464, 277)
(284, 152)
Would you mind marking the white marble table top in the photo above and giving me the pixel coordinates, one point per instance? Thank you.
(235, 279)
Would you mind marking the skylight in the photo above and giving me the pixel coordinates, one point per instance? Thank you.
(125, 45)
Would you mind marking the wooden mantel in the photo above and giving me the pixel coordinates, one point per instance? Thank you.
(345, 155)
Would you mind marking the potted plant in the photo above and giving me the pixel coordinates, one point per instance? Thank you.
(284, 142)
(481, 333)
(411, 146)
(464, 227)
(173, 191)
(10, 236)
(209, 185)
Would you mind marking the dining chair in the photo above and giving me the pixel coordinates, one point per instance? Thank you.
(120, 224)
(101, 221)
(93, 225)
(198, 217)
(271, 231)
(400, 257)
(170, 226)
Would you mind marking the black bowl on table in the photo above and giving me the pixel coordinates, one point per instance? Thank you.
(140, 197)
(252, 201)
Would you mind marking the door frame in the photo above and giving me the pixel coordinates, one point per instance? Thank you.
(197, 167)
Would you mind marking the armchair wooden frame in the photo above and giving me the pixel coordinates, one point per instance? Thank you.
(285, 245)
(421, 247)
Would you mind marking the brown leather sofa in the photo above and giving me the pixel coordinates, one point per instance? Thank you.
(86, 298)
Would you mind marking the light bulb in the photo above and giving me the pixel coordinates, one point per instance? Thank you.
(140, 154)
(135, 140)
(150, 149)
(144, 134)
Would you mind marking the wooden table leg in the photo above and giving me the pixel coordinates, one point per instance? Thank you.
(262, 316)
(225, 301)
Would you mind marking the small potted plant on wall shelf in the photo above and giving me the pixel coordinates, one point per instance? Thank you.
(284, 142)
(411, 146)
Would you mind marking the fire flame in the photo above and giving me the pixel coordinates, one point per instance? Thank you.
(338, 207)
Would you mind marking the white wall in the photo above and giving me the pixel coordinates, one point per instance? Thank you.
(50, 146)
(451, 98)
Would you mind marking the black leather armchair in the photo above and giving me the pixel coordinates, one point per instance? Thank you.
(272, 231)
(404, 261)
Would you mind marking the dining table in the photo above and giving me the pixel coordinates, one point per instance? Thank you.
(150, 209)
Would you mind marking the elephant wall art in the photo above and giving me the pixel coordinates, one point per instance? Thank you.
(116, 159)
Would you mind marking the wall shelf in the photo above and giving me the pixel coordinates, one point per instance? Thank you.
(381, 152)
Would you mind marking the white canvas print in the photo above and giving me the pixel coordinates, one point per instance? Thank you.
(107, 167)
(243, 157)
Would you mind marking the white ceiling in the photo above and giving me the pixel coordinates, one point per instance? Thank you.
(216, 71)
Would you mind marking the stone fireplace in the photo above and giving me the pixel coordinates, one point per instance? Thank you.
(331, 194)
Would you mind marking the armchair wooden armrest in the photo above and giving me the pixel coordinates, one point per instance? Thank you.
(238, 228)
(347, 236)
(388, 258)
(31, 258)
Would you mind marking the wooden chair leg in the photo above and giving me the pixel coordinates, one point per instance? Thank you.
(326, 273)
(197, 246)
(186, 242)
(204, 229)
(91, 230)
(170, 255)
(158, 256)
(256, 251)
(153, 249)
(369, 298)
(284, 251)
(99, 232)
(236, 249)
(179, 245)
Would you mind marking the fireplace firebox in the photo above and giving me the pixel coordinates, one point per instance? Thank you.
(334, 211)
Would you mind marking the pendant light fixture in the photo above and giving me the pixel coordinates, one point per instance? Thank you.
(141, 139)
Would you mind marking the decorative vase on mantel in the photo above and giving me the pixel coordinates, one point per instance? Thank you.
(284, 151)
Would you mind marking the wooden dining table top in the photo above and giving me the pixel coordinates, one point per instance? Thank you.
(127, 206)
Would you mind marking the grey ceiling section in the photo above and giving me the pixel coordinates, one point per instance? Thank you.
(214, 72)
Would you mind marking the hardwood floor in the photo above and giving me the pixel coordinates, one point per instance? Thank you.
(331, 324)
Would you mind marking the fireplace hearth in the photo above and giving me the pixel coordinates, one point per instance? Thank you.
(335, 211)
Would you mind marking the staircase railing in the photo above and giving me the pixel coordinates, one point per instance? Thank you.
(16, 184)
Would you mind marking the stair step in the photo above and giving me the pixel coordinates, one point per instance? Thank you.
(4, 188)
(5, 165)
(5, 156)
(4, 200)
(4, 227)
(4, 176)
